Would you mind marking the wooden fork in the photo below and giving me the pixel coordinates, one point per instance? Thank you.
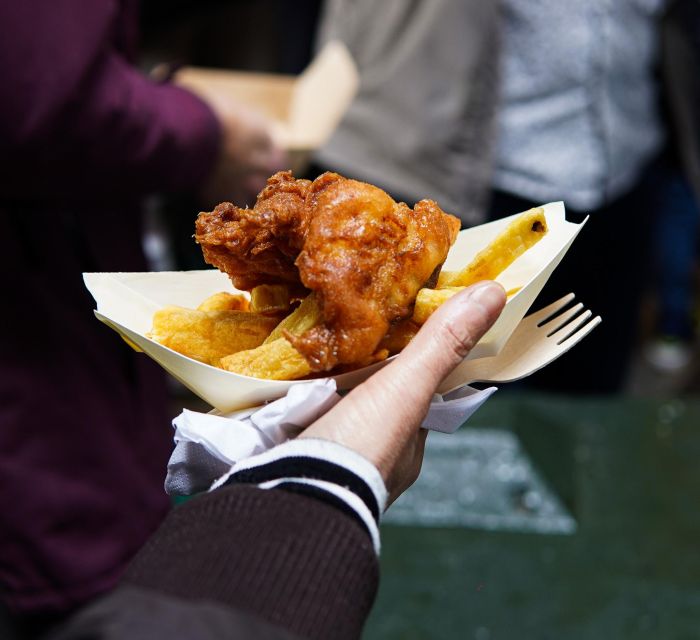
(539, 339)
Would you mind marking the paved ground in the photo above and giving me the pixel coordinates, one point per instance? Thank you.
(645, 380)
(626, 469)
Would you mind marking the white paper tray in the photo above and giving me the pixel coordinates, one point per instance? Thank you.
(126, 302)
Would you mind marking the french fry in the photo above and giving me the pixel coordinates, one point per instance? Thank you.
(208, 336)
(276, 360)
(225, 301)
(512, 292)
(306, 316)
(521, 234)
(428, 300)
(270, 299)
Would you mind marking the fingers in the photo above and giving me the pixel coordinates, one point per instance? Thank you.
(450, 334)
(264, 159)
(380, 419)
(248, 156)
(403, 390)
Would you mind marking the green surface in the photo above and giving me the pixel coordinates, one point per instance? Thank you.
(628, 470)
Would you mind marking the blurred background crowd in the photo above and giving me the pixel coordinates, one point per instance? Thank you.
(489, 108)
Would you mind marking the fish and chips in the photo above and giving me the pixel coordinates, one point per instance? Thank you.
(338, 276)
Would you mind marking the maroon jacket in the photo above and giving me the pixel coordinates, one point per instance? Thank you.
(84, 433)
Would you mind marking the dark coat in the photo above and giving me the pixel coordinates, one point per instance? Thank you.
(84, 431)
(242, 562)
(680, 63)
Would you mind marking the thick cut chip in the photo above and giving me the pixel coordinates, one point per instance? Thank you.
(276, 360)
(428, 300)
(225, 301)
(307, 315)
(270, 299)
(521, 234)
(208, 336)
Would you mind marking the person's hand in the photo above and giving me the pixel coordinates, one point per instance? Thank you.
(247, 156)
(381, 418)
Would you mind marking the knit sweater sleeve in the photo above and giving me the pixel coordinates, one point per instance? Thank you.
(284, 545)
(285, 557)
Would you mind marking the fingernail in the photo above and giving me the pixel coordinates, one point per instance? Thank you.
(489, 295)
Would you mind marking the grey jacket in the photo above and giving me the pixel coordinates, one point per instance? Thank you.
(579, 115)
(422, 124)
(566, 109)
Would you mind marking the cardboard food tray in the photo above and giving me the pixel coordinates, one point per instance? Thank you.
(304, 110)
(126, 302)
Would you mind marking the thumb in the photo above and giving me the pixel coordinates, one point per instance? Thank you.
(450, 334)
(381, 417)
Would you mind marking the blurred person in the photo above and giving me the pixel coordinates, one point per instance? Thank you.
(84, 432)
(675, 252)
(287, 545)
(422, 122)
(579, 121)
(676, 230)
(680, 35)
(198, 33)
(492, 108)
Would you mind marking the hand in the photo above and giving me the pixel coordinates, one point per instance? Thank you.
(381, 418)
(248, 155)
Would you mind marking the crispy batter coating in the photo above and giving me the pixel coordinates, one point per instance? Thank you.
(259, 245)
(366, 257)
(363, 254)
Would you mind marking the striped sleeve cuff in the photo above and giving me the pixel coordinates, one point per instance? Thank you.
(321, 469)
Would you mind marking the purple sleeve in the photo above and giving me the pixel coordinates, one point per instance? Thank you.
(78, 118)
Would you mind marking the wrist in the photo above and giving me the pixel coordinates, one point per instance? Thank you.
(321, 469)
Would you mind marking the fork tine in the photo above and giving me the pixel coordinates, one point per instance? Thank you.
(581, 331)
(547, 312)
(554, 323)
(527, 351)
(566, 330)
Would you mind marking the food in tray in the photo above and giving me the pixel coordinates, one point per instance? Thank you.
(339, 276)
(208, 336)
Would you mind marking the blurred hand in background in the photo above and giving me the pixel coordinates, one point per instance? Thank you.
(248, 154)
